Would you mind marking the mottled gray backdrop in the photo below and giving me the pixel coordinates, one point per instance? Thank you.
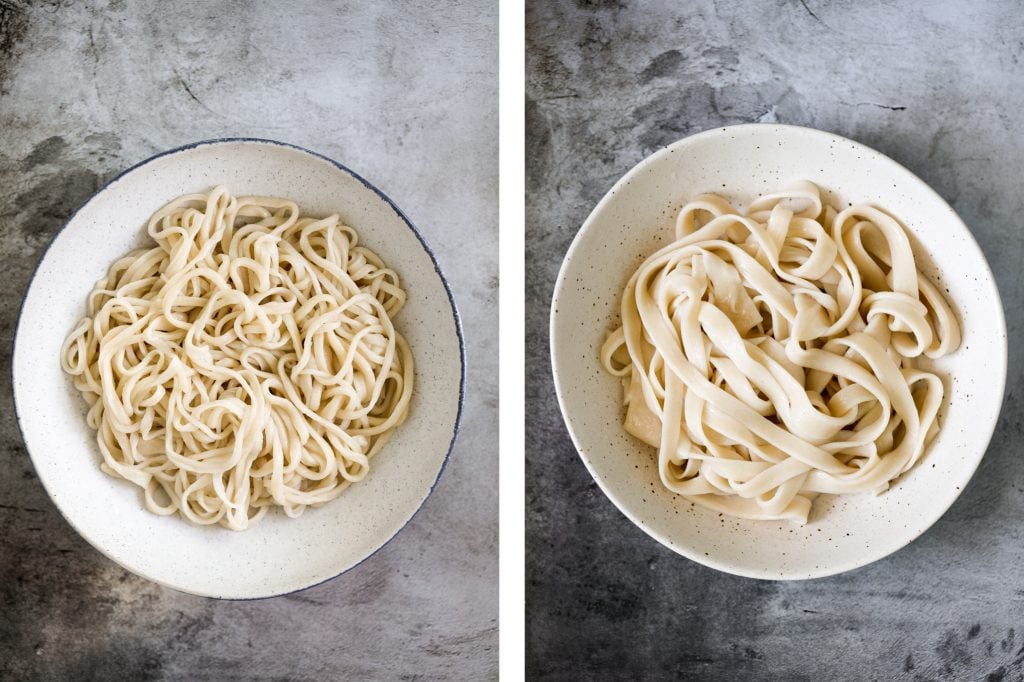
(405, 94)
(935, 85)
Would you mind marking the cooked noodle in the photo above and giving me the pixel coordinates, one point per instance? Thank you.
(770, 356)
(246, 361)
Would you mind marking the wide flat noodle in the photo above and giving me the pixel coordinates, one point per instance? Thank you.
(769, 356)
(246, 361)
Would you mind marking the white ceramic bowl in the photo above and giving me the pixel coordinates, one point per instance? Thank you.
(741, 162)
(278, 554)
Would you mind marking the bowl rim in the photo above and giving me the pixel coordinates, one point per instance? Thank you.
(456, 427)
(876, 157)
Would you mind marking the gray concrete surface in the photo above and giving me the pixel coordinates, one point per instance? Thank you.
(935, 85)
(406, 94)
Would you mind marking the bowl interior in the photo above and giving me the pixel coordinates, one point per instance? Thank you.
(278, 554)
(741, 163)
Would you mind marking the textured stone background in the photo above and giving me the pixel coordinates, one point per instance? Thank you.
(935, 85)
(406, 95)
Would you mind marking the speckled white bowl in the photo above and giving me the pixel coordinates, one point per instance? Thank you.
(277, 555)
(636, 217)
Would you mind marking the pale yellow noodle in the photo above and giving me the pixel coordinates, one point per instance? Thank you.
(769, 356)
(246, 361)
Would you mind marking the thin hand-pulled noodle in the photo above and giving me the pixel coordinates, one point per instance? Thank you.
(246, 361)
(769, 356)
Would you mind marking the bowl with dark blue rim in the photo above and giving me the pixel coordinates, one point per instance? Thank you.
(279, 554)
